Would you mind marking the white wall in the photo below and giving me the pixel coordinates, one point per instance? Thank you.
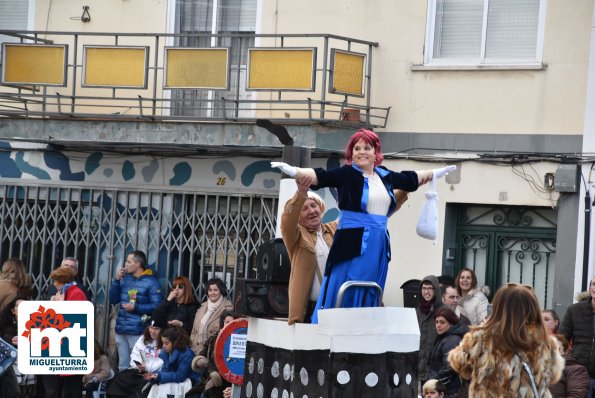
(135, 16)
(414, 257)
(549, 101)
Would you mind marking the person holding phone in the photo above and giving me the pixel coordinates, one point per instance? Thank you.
(173, 379)
(144, 358)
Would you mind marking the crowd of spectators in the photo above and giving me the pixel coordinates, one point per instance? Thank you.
(165, 346)
(157, 339)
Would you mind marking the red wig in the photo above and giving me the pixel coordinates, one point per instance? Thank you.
(370, 138)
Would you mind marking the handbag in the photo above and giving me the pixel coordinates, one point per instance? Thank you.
(531, 379)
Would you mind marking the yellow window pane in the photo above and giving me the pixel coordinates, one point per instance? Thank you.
(348, 73)
(115, 66)
(196, 68)
(34, 64)
(285, 69)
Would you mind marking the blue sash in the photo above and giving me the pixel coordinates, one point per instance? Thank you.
(352, 219)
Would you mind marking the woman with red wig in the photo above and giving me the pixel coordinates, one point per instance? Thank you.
(361, 245)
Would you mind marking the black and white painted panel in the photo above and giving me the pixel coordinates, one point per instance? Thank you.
(355, 352)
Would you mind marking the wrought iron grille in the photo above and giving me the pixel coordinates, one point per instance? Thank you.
(509, 245)
(197, 235)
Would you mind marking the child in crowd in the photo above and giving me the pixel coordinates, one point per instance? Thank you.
(144, 358)
(173, 380)
(433, 389)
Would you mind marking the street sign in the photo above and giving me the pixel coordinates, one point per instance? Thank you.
(230, 350)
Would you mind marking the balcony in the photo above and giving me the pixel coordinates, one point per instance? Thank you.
(294, 78)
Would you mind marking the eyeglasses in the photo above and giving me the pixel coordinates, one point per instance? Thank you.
(179, 286)
(428, 288)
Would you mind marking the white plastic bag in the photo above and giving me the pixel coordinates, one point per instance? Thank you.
(427, 225)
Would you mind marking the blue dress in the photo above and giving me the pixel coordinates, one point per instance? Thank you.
(361, 245)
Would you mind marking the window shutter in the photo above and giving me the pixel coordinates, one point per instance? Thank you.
(512, 29)
(195, 16)
(13, 16)
(237, 15)
(458, 28)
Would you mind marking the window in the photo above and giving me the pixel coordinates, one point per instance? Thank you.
(492, 32)
(15, 15)
(215, 17)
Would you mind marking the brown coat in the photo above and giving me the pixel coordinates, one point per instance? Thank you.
(575, 381)
(101, 369)
(212, 327)
(301, 248)
(8, 291)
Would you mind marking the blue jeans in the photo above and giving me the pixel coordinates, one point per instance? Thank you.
(125, 344)
(592, 387)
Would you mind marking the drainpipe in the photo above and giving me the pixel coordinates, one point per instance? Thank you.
(588, 147)
(587, 238)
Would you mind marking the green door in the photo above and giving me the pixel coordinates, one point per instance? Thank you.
(508, 244)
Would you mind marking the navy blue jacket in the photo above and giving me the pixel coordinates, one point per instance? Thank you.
(148, 297)
(176, 367)
(349, 181)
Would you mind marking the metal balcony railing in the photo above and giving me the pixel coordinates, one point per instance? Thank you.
(156, 101)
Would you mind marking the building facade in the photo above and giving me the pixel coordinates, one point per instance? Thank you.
(104, 161)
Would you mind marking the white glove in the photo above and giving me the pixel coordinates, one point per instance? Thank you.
(439, 173)
(285, 168)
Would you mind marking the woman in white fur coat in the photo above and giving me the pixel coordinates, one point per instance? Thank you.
(473, 303)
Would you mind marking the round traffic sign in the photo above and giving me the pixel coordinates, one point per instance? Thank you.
(230, 350)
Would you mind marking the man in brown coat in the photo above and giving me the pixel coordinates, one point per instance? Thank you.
(307, 241)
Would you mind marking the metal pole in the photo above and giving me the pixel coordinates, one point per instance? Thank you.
(587, 238)
(324, 72)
